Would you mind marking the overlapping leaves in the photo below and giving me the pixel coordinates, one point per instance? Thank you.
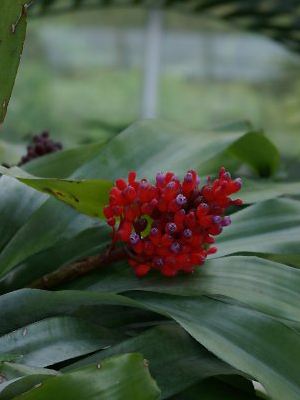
(242, 307)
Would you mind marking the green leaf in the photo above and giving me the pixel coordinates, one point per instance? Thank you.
(250, 341)
(257, 191)
(269, 287)
(257, 151)
(149, 146)
(56, 339)
(176, 361)
(87, 196)
(47, 225)
(25, 306)
(214, 389)
(12, 36)
(272, 226)
(88, 242)
(17, 204)
(116, 378)
(10, 370)
(10, 152)
(62, 164)
(18, 379)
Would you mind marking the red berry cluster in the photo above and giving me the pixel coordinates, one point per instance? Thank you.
(171, 225)
(41, 144)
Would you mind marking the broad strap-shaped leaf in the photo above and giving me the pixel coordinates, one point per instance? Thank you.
(254, 191)
(267, 286)
(272, 226)
(150, 146)
(18, 378)
(62, 164)
(56, 339)
(12, 36)
(88, 242)
(17, 204)
(117, 378)
(250, 341)
(176, 361)
(26, 306)
(46, 226)
(87, 196)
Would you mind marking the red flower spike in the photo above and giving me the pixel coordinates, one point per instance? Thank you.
(170, 226)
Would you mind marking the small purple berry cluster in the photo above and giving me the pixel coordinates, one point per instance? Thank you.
(41, 145)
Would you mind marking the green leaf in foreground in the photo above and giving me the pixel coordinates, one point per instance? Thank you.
(117, 378)
(56, 339)
(248, 340)
(12, 36)
(267, 286)
(176, 361)
(87, 196)
(245, 338)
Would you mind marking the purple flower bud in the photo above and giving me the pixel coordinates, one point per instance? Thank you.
(171, 185)
(187, 233)
(158, 262)
(160, 178)
(204, 206)
(181, 200)
(171, 227)
(144, 184)
(238, 182)
(188, 177)
(216, 219)
(226, 221)
(175, 247)
(154, 231)
(197, 180)
(134, 238)
(227, 175)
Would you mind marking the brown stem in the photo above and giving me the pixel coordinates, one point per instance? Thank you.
(79, 268)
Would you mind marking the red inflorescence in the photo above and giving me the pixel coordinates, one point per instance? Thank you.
(170, 226)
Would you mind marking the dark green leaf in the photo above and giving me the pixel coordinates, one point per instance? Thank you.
(176, 361)
(12, 36)
(250, 341)
(53, 340)
(116, 378)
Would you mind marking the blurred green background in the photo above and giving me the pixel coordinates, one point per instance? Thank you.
(81, 77)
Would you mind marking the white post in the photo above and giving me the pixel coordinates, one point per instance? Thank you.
(153, 39)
